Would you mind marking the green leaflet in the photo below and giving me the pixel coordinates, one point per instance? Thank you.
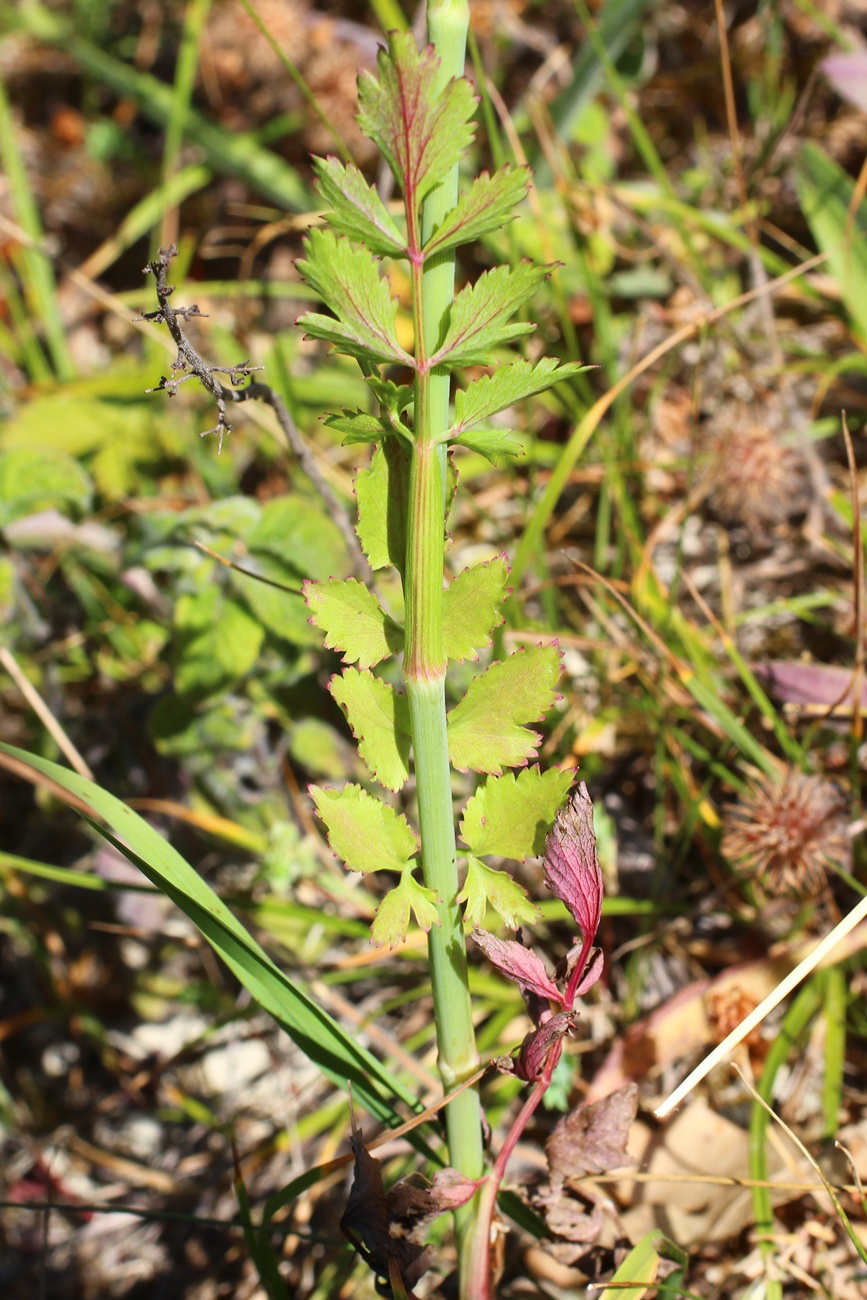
(393, 398)
(353, 621)
(508, 385)
(392, 916)
(358, 426)
(510, 815)
(337, 1053)
(365, 833)
(471, 608)
(379, 718)
(347, 278)
(421, 135)
(492, 443)
(478, 320)
(486, 728)
(488, 205)
(485, 886)
(382, 495)
(356, 209)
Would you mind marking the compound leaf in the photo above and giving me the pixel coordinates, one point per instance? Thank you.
(379, 718)
(471, 608)
(365, 833)
(347, 279)
(421, 131)
(486, 206)
(392, 397)
(393, 401)
(509, 816)
(356, 209)
(479, 316)
(486, 729)
(353, 621)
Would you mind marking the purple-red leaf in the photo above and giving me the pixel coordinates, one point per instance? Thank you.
(519, 964)
(411, 1205)
(814, 687)
(451, 1189)
(593, 965)
(537, 1046)
(847, 73)
(571, 865)
(592, 1139)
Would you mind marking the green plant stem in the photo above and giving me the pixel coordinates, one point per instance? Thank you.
(447, 25)
(390, 15)
(424, 658)
(424, 670)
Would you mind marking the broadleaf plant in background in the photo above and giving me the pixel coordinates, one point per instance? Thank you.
(419, 117)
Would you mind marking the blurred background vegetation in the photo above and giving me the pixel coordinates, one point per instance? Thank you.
(699, 171)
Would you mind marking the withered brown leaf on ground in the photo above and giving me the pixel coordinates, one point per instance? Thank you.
(592, 1139)
(367, 1224)
(572, 1219)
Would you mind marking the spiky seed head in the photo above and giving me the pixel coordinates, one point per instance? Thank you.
(755, 476)
(790, 832)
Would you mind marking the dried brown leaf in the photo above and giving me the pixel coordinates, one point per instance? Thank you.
(592, 1139)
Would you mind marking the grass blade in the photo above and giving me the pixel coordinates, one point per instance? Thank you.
(39, 285)
(336, 1052)
(826, 193)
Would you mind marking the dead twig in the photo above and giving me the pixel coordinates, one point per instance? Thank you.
(190, 364)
